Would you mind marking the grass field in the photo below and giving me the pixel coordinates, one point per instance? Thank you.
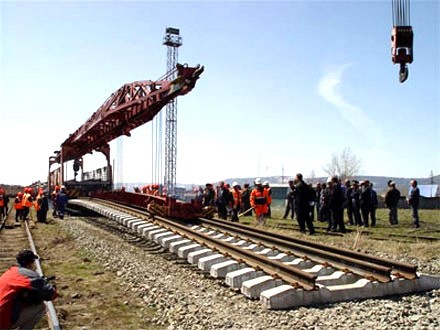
(403, 240)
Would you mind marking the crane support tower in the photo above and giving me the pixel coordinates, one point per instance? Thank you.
(173, 41)
(131, 106)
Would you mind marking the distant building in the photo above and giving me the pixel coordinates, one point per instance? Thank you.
(428, 190)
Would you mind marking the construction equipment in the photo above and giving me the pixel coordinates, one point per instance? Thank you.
(129, 107)
(402, 37)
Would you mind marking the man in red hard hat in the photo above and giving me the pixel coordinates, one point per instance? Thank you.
(18, 206)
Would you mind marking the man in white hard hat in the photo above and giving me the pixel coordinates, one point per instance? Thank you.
(259, 200)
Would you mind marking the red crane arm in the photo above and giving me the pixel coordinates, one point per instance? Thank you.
(129, 107)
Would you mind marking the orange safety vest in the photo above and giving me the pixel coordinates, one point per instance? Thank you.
(259, 201)
(27, 200)
(2, 201)
(236, 194)
(269, 194)
(36, 205)
(18, 203)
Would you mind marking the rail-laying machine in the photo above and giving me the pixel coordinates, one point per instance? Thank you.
(131, 106)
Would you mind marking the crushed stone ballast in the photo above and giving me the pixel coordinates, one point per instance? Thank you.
(330, 284)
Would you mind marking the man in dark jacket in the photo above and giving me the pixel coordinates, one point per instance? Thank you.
(61, 202)
(413, 200)
(303, 204)
(290, 206)
(392, 200)
(208, 195)
(246, 196)
(348, 203)
(374, 203)
(356, 202)
(336, 205)
(365, 201)
(22, 292)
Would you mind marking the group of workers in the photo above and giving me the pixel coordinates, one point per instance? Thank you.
(358, 198)
(327, 200)
(233, 202)
(151, 189)
(27, 199)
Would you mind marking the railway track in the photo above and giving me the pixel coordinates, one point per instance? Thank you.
(15, 237)
(282, 272)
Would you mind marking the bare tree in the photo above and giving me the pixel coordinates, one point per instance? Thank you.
(344, 165)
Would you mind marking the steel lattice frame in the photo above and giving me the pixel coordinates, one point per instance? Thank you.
(173, 41)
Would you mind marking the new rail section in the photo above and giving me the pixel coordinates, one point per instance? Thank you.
(281, 271)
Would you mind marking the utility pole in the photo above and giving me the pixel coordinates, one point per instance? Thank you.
(282, 174)
(173, 41)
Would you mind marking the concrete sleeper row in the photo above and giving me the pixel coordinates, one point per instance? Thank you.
(332, 285)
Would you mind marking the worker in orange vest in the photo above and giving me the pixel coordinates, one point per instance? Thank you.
(259, 201)
(269, 199)
(41, 205)
(237, 201)
(18, 206)
(3, 204)
(27, 202)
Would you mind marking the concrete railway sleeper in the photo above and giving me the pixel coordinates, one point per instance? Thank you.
(356, 259)
(211, 250)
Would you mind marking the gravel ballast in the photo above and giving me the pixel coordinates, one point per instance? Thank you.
(187, 298)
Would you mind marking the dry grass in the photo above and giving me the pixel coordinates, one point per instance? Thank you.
(419, 249)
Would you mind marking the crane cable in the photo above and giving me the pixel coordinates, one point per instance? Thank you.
(401, 12)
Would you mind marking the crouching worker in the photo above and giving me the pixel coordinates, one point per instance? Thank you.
(22, 292)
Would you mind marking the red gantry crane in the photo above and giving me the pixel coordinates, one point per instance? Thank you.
(129, 107)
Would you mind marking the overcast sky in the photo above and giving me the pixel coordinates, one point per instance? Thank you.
(286, 84)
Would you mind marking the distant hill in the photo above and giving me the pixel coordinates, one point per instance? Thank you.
(379, 182)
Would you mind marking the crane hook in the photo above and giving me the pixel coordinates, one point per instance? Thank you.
(403, 73)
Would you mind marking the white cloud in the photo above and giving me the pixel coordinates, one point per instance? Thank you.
(328, 89)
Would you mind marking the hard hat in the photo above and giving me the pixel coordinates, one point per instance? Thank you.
(63, 187)
(234, 184)
(57, 188)
(257, 181)
(266, 183)
(329, 179)
(20, 194)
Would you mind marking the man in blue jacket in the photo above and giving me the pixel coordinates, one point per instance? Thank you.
(62, 200)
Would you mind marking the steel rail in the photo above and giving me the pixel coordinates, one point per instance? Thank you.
(292, 275)
(346, 256)
(51, 312)
(359, 267)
